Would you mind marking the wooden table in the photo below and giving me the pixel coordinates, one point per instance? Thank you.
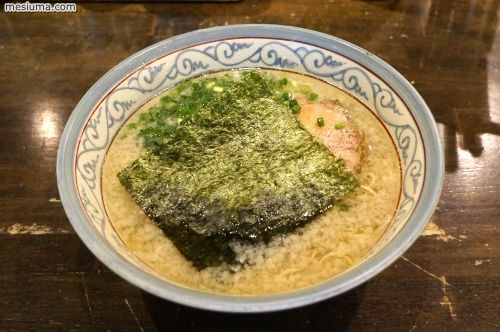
(448, 280)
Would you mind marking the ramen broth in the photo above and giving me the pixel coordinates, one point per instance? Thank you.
(329, 245)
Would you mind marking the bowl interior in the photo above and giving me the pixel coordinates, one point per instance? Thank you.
(108, 104)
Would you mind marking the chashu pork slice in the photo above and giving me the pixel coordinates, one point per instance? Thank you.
(338, 133)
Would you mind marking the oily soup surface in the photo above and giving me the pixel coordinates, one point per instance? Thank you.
(329, 245)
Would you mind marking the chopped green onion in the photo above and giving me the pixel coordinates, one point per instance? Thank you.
(304, 88)
(320, 122)
(145, 118)
(340, 125)
(296, 108)
(132, 125)
(167, 99)
(313, 96)
(285, 96)
(344, 207)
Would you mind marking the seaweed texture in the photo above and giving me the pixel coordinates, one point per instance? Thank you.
(239, 168)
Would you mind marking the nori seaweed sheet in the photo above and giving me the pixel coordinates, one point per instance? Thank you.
(241, 169)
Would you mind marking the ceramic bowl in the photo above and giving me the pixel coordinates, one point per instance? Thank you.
(114, 98)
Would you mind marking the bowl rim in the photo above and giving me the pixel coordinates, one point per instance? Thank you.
(352, 278)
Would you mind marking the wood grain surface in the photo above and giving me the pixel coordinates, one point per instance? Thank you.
(449, 280)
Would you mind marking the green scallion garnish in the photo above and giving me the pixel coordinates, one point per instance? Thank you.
(313, 96)
(296, 108)
(344, 207)
(340, 125)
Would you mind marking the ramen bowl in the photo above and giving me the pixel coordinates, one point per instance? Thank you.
(113, 99)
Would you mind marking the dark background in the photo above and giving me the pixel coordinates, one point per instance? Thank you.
(449, 280)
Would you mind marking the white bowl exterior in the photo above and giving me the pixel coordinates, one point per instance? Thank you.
(113, 99)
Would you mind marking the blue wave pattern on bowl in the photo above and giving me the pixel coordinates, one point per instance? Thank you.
(128, 95)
